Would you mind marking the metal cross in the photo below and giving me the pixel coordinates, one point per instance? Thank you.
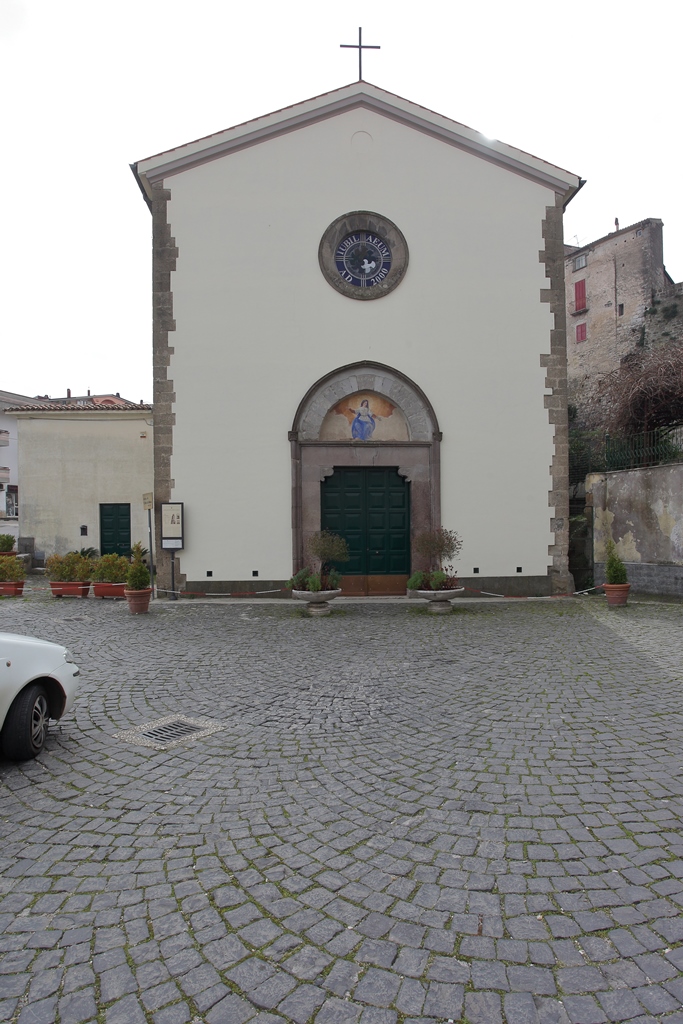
(360, 47)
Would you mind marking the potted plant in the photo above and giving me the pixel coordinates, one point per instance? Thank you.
(438, 584)
(616, 586)
(109, 575)
(12, 576)
(317, 589)
(6, 544)
(138, 590)
(69, 574)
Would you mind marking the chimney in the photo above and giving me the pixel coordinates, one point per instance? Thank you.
(68, 392)
(88, 392)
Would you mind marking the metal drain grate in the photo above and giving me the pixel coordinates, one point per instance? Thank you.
(176, 730)
(170, 731)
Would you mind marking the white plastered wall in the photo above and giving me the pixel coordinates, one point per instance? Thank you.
(68, 466)
(257, 324)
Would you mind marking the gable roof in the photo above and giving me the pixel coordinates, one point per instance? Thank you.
(351, 97)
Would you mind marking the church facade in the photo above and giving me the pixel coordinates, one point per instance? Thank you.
(359, 325)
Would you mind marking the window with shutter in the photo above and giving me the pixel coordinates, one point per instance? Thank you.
(580, 332)
(579, 296)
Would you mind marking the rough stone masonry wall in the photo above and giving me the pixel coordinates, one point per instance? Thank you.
(624, 269)
(165, 254)
(556, 403)
(641, 510)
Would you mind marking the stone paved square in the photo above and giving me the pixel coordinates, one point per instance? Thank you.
(403, 817)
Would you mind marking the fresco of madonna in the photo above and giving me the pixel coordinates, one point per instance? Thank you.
(364, 416)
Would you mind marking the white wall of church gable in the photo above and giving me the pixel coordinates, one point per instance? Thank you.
(257, 325)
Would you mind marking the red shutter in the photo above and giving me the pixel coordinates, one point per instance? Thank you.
(580, 332)
(579, 295)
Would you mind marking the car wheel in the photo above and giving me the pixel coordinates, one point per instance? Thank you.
(25, 729)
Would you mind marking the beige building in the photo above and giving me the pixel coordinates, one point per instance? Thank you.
(327, 351)
(619, 298)
(83, 469)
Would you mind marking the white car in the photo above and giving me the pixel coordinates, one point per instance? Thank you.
(38, 681)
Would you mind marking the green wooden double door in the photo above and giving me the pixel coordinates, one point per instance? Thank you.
(115, 529)
(370, 508)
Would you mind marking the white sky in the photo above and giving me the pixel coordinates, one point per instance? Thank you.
(89, 87)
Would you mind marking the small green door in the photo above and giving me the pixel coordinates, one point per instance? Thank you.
(370, 508)
(115, 529)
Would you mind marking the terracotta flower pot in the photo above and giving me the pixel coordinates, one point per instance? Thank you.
(60, 588)
(108, 590)
(138, 600)
(616, 593)
(12, 589)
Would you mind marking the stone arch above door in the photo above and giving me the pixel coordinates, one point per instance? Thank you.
(417, 458)
(365, 377)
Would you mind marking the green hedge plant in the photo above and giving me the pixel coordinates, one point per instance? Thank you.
(6, 542)
(110, 569)
(615, 570)
(138, 577)
(69, 568)
(12, 570)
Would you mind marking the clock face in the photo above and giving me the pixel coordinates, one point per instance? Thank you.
(363, 259)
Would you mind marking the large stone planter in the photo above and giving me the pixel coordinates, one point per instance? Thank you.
(74, 589)
(138, 600)
(317, 601)
(14, 588)
(616, 593)
(439, 600)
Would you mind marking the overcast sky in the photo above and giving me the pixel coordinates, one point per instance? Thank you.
(89, 87)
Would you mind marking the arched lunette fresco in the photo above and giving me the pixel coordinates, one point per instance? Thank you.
(412, 442)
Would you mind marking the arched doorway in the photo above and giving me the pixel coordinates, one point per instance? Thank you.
(365, 447)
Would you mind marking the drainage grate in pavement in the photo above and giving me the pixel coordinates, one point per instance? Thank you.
(175, 730)
(170, 731)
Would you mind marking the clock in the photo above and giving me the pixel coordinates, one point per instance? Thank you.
(363, 255)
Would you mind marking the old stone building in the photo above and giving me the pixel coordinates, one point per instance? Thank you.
(327, 353)
(83, 468)
(619, 298)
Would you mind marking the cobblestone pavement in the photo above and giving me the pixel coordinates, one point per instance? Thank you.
(404, 818)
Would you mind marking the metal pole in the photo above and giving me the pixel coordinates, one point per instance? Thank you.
(151, 551)
(172, 596)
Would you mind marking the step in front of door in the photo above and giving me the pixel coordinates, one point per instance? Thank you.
(373, 586)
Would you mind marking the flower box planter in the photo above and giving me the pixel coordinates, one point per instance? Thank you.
(114, 590)
(138, 600)
(439, 600)
(70, 589)
(12, 589)
(317, 600)
(616, 593)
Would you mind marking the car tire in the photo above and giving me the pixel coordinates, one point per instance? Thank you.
(25, 729)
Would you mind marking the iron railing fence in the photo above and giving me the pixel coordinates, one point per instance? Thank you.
(651, 448)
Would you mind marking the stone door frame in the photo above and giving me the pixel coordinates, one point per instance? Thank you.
(418, 460)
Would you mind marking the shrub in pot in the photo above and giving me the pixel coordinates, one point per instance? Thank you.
(138, 590)
(12, 576)
(69, 574)
(438, 584)
(319, 587)
(6, 544)
(109, 575)
(616, 585)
